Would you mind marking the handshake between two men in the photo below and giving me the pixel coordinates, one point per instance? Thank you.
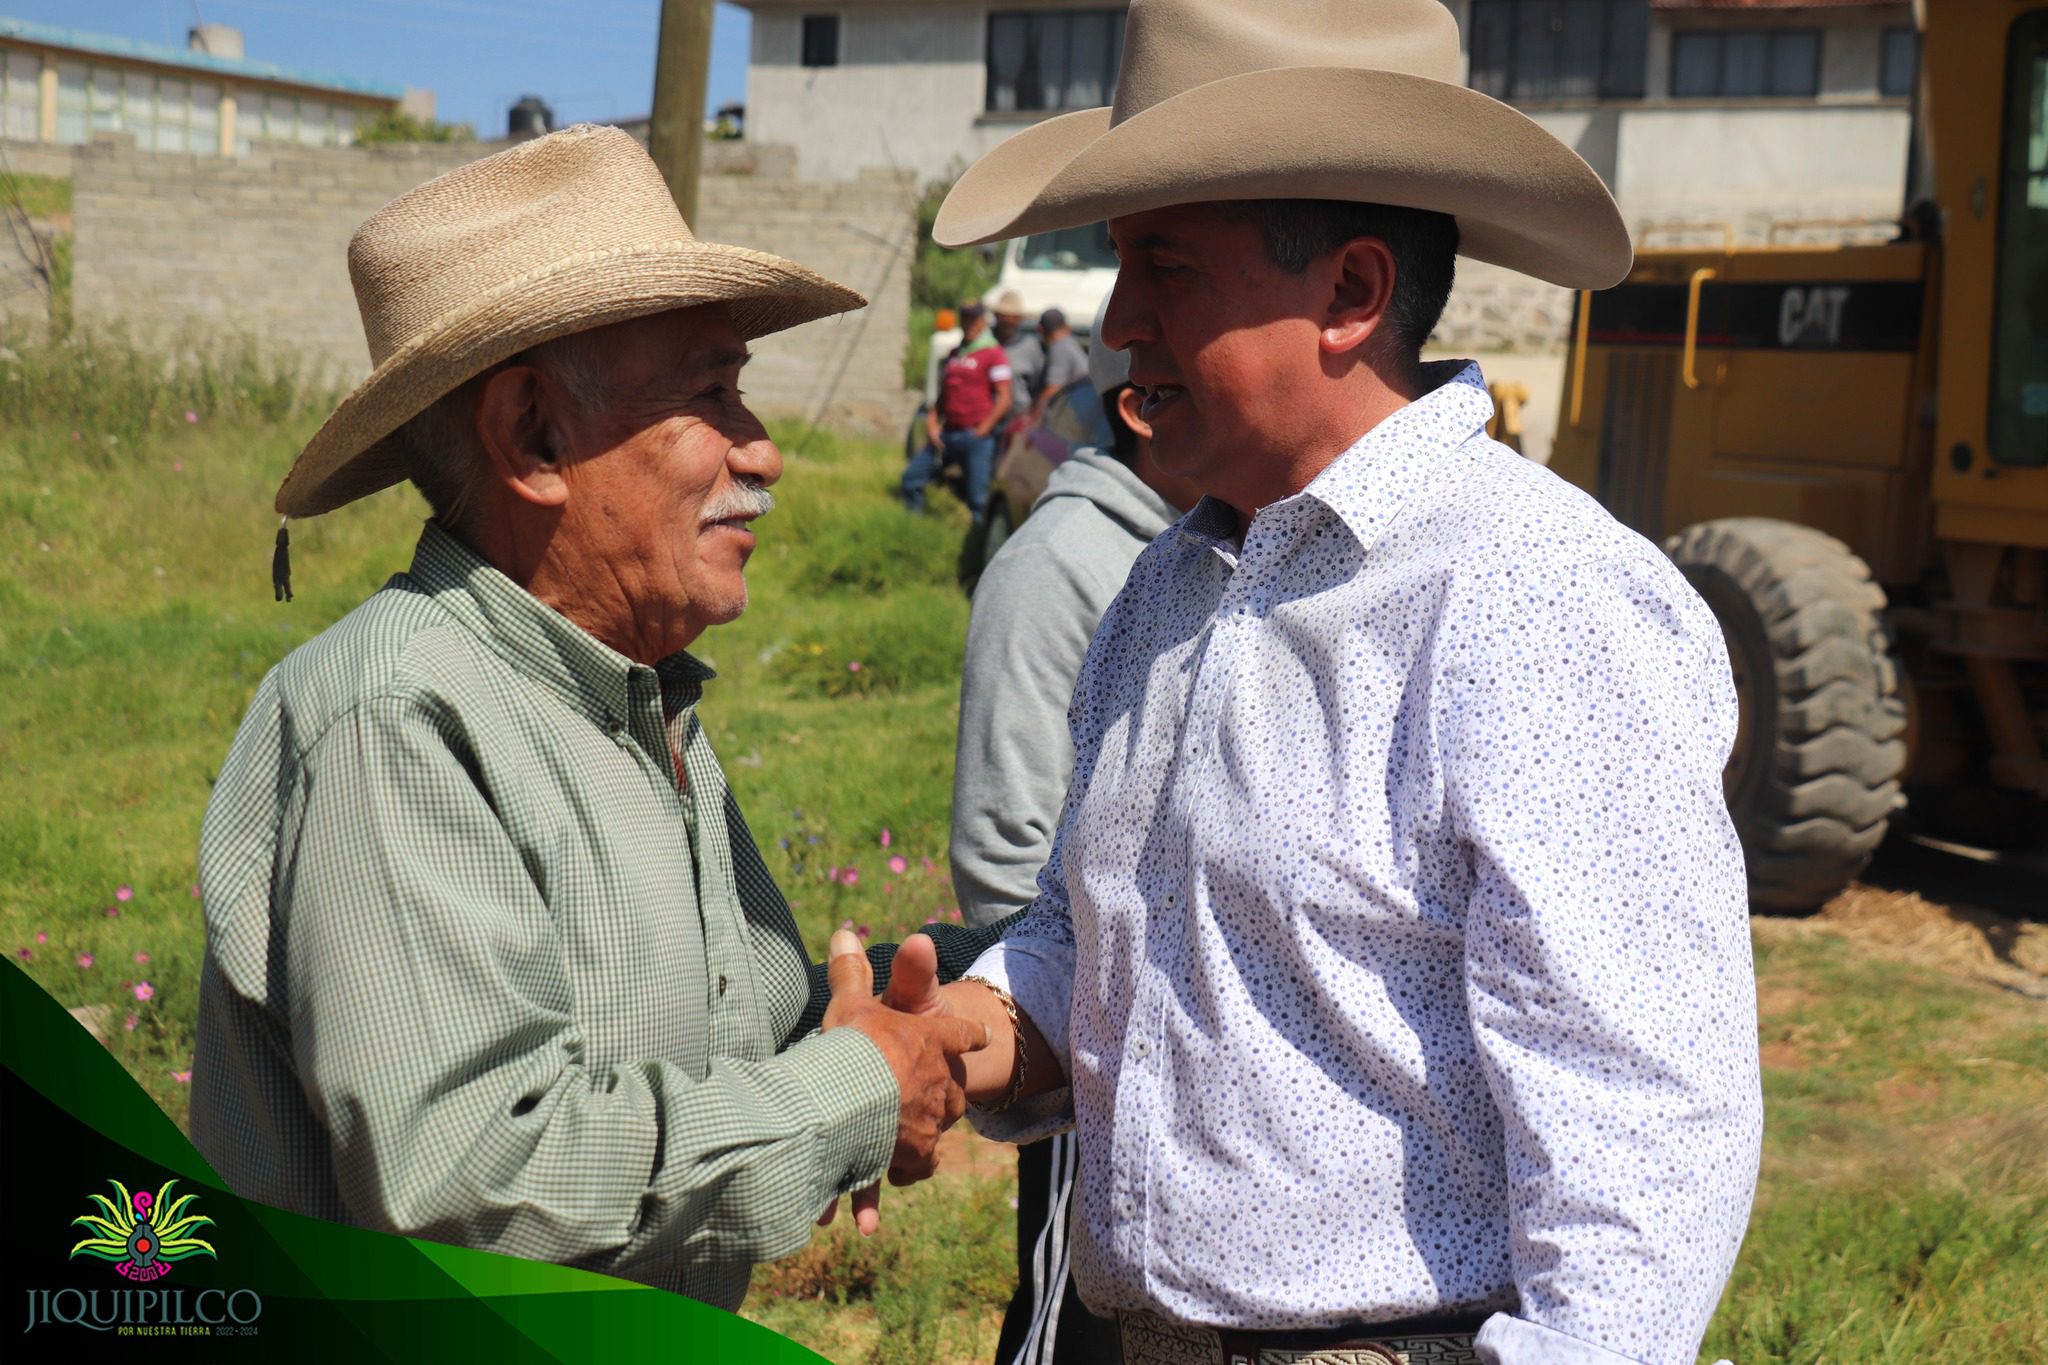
(948, 1046)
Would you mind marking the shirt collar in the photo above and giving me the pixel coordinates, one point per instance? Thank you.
(537, 641)
(1368, 484)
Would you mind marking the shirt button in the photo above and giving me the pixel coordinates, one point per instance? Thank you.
(1126, 1207)
(721, 985)
(1172, 899)
(1141, 1047)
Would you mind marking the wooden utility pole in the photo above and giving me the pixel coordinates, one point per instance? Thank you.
(682, 70)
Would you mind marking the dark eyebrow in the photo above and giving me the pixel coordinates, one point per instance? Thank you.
(711, 359)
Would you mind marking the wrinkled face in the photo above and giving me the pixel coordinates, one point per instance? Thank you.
(1223, 344)
(666, 479)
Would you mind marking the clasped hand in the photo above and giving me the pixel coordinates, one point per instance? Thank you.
(923, 1043)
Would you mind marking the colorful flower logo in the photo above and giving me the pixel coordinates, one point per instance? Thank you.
(142, 1234)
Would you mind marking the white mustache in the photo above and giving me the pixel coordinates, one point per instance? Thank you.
(746, 498)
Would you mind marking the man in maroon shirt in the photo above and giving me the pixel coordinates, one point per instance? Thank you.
(974, 397)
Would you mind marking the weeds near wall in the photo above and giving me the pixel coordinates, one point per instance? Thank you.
(112, 394)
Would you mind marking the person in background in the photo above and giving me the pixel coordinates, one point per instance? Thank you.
(1035, 611)
(1027, 356)
(1065, 361)
(974, 397)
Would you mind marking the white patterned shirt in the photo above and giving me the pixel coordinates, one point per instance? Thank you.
(1395, 938)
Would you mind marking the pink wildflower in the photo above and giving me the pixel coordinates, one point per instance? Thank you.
(954, 914)
(42, 937)
(195, 891)
(25, 954)
(191, 417)
(113, 912)
(899, 864)
(144, 991)
(885, 836)
(929, 866)
(853, 667)
(182, 1077)
(860, 930)
(130, 1023)
(177, 466)
(142, 959)
(124, 893)
(850, 877)
(85, 959)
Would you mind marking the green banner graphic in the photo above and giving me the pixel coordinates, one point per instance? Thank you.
(123, 1244)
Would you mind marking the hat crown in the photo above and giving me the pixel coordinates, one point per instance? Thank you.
(438, 247)
(1171, 46)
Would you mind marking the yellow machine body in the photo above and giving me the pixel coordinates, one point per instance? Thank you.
(1891, 394)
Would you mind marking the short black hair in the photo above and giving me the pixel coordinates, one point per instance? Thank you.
(1424, 245)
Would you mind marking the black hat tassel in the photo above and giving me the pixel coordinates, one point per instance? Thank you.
(281, 564)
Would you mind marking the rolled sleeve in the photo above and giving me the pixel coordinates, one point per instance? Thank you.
(1607, 962)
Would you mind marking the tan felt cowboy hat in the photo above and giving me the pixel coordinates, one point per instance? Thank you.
(1302, 99)
(562, 234)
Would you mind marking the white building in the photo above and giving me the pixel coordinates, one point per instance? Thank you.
(1729, 109)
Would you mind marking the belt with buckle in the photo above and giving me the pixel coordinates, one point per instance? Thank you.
(1152, 1340)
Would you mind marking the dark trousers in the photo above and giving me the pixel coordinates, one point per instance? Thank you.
(1047, 1324)
(976, 454)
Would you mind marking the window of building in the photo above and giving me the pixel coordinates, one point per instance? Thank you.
(71, 102)
(1560, 49)
(21, 96)
(162, 113)
(1061, 59)
(821, 40)
(1777, 63)
(1899, 65)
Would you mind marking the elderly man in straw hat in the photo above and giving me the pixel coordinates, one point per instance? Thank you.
(1392, 954)
(491, 956)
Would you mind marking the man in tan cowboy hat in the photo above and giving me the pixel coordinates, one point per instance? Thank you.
(1025, 349)
(1392, 954)
(491, 956)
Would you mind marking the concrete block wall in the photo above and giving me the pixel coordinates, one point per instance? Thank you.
(35, 158)
(177, 250)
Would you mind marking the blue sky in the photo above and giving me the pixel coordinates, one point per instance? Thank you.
(589, 59)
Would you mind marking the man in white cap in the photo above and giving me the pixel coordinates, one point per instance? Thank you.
(491, 956)
(1035, 609)
(1392, 956)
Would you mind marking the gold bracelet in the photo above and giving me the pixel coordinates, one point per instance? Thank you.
(1009, 1004)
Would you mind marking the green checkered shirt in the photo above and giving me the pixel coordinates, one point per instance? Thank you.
(480, 969)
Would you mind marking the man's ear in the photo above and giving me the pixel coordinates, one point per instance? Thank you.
(1361, 288)
(512, 422)
(1128, 401)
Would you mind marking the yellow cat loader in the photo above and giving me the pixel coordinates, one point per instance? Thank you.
(1845, 449)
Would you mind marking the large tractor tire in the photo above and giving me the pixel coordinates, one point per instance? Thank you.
(1813, 779)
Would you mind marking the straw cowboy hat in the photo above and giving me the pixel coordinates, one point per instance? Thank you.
(562, 234)
(1302, 99)
(1008, 304)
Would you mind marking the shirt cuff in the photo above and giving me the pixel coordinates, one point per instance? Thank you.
(1039, 975)
(854, 1094)
(1505, 1340)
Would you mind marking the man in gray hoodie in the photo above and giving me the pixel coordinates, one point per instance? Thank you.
(1035, 610)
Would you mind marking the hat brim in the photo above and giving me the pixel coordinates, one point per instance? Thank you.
(1522, 198)
(354, 453)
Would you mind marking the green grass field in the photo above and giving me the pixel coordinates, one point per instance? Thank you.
(1905, 1190)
